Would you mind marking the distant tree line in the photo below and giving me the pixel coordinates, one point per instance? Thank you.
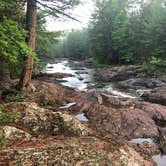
(122, 32)
(74, 45)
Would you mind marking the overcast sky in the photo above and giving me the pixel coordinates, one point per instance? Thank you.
(81, 12)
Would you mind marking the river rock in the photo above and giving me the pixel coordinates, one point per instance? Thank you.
(36, 120)
(141, 83)
(121, 73)
(120, 116)
(14, 136)
(51, 77)
(47, 94)
(124, 117)
(157, 95)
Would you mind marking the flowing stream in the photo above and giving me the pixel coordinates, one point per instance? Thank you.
(82, 78)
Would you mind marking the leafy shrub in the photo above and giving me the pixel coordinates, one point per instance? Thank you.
(14, 98)
(2, 141)
(7, 115)
(154, 67)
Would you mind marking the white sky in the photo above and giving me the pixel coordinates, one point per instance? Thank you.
(81, 12)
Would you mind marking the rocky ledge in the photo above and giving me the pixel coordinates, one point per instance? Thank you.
(39, 136)
(157, 95)
(39, 131)
(128, 77)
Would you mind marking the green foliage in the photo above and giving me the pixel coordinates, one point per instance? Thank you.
(12, 41)
(46, 41)
(120, 33)
(8, 117)
(107, 31)
(2, 141)
(154, 67)
(14, 98)
(12, 9)
(74, 45)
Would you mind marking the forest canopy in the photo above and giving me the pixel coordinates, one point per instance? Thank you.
(122, 32)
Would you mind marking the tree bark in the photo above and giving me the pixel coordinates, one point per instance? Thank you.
(26, 75)
(4, 72)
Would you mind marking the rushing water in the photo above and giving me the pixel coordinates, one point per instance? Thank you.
(81, 117)
(160, 160)
(142, 140)
(82, 78)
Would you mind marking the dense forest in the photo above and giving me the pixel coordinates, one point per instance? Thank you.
(121, 32)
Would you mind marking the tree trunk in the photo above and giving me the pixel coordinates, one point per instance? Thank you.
(4, 72)
(25, 79)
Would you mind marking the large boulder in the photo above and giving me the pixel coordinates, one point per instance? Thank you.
(51, 77)
(47, 94)
(121, 73)
(125, 117)
(141, 83)
(38, 121)
(157, 95)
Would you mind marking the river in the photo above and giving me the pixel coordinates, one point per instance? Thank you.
(82, 78)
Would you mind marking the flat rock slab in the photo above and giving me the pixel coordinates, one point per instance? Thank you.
(120, 73)
(125, 117)
(157, 95)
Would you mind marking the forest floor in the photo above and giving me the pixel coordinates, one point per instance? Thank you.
(53, 125)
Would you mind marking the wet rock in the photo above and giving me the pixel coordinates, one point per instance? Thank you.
(77, 65)
(51, 77)
(125, 117)
(141, 83)
(116, 73)
(81, 72)
(157, 95)
(50, 67)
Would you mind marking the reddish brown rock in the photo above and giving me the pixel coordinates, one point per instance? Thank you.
(120, 73)
(52, 129)
(51, 77)
(72, 151)
(157, 95)
(125, 117)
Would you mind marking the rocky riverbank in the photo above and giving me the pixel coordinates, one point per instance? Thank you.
(53, 125)
(38, 131)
